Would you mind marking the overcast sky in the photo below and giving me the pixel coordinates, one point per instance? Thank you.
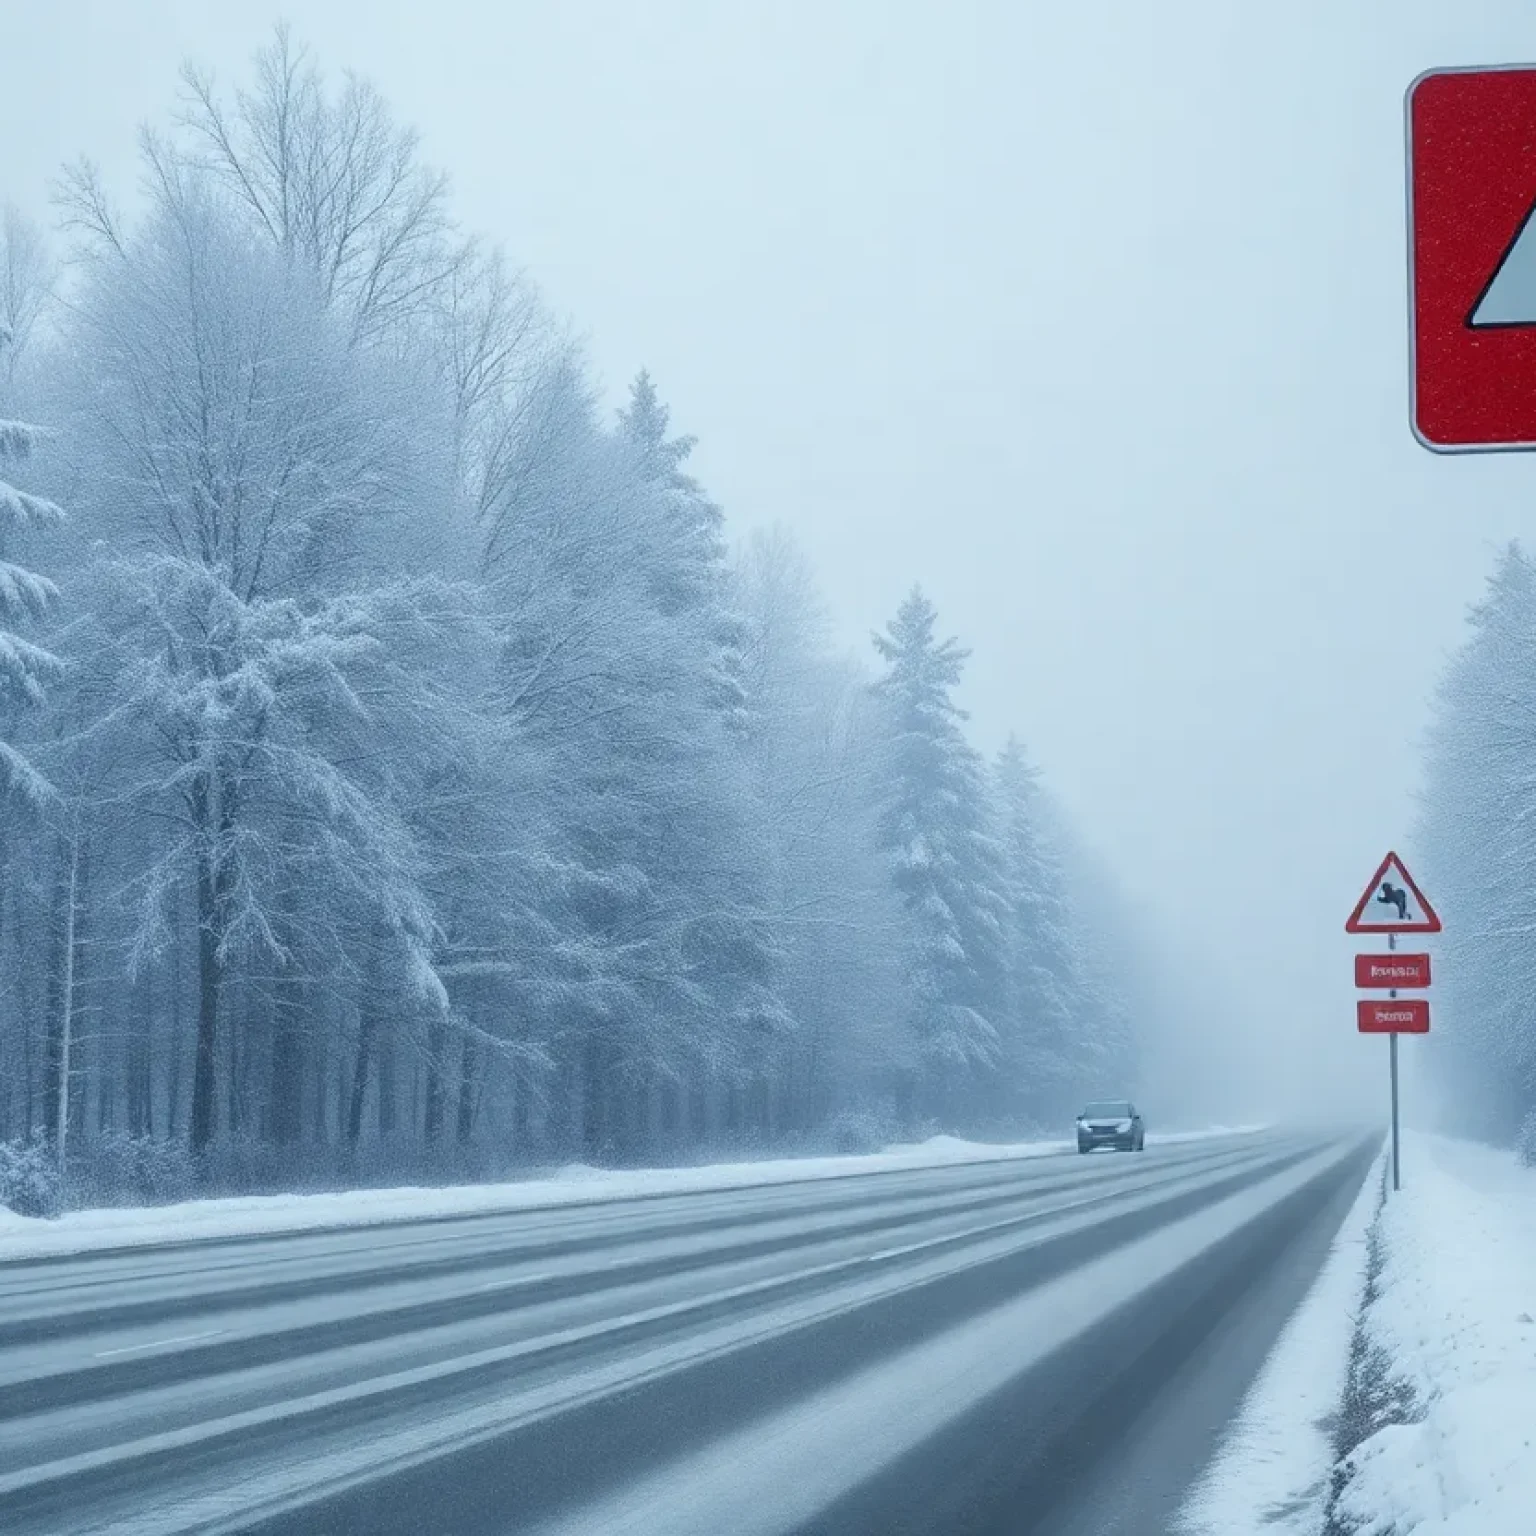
(1088, 316)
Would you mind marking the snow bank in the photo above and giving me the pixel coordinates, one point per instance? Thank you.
(1456, 1315)
(77, 1231)
(1271, 1473)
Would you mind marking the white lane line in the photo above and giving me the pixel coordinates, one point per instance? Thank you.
(183, 1338)
(1116, 1194)
(214, 1333)
(513, 1282)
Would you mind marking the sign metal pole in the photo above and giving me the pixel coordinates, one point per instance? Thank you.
(1397, 1181)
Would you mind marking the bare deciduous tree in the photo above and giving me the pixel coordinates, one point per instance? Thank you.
(332, 179)
(27, 276)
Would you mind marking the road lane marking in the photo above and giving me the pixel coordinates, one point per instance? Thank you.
(518, 1280)
(184, 1338)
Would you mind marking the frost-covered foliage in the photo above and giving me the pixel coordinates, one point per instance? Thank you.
(25, 596)
(29, 1179)
(1479, 836)
(1525, 1142)
(433, 791)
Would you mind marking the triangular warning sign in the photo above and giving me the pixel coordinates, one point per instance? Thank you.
(1392, 903)
(1509, 296)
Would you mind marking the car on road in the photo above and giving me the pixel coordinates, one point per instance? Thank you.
(1111, 1123)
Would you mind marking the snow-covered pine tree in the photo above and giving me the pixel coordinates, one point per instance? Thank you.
(812, 742)
(25, 598)
(1044, 964)
(688, 569)
(945, 861)
(606, 570)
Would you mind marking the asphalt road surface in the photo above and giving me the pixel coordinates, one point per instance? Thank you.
(1047, 1345)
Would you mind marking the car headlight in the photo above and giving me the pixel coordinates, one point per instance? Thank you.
(1122, 1125)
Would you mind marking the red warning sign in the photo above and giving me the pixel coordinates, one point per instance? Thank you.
(1392, 903)
(1392, 970)
(1472, 258)
(1404, 1016)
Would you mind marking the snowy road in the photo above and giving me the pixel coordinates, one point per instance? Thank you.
(966, 1347)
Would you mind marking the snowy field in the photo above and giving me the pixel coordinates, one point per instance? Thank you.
(1457, 1316)
(76, 1231)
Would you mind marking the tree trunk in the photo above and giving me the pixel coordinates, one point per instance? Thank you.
(53, 1051)
(468, 1063)
(596, 1132)
(60, 1100)
(176, 1056)
(141, 1094)
(367, 1029)
(236, 1056)
(9, 1022)
(214, 825)
(562, 1130)
(319, 1069)
(905, 1095)
(286, 1088)
(437, 1045)
(384, 1050)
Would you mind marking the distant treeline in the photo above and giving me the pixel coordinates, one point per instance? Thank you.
(1479, 831)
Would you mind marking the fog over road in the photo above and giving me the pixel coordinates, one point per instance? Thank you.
(1051, 1344)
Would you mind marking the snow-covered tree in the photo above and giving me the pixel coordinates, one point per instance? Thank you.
(687, 546)
(235, 450)
(330, 178)
(813, 744)
(1045, 976)
(27, 277)
(945, 859)
(25, 599)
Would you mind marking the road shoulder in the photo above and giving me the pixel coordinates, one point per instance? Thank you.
(1449, 1335)
(1272, 1470)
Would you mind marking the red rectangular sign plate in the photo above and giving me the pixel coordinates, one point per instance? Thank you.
(1472, 258)
(1392, 970)
(1404, 1016)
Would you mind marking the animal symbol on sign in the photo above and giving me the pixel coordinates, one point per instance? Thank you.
(1393, 896)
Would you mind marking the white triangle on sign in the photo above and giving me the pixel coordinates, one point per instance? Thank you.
(1510, 297)
(1392, 903)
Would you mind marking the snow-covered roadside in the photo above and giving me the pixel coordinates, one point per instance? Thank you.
(78, 1231)
(1271, 1475)
(1456, 1318)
